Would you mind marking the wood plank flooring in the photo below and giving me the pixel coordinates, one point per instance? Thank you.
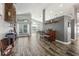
(29, 47)
(63, 50)
(33, 46)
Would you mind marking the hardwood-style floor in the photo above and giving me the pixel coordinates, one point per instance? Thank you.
(33, 46)
(25, 46)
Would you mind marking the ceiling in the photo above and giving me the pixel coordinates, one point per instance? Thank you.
(52, 9)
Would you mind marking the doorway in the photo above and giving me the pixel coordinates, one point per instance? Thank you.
(23, 29)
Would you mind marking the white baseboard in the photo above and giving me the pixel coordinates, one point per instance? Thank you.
(73, 39)
(63, 42)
